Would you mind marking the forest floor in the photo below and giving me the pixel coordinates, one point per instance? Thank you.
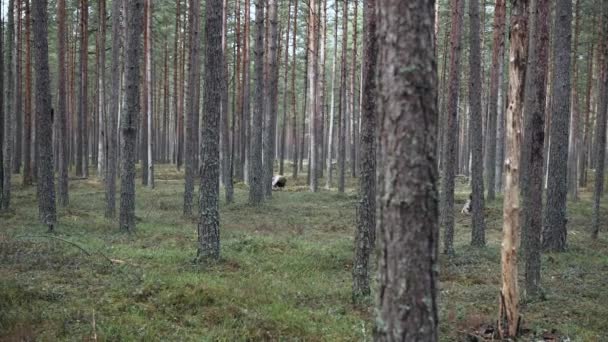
(285, 272)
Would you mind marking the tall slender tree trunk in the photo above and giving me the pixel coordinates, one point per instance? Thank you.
(533, 145)
(225, 136)
(62, 105)
(246, 119)
(294, 133)
(366, 211)
(215, 85)
(585, 153)
(101, 84)
(508, 323)
(149, 155)
(313, 114)
(192, 147)
(555, 232)
(2, 115)
(408, 207)
(256, 177)
(112, 166)
(44, 116)
(82, 135)
(450, 151)
(18, 135)
(273, 82)
(9, 122)
(285, 93)
(500, 11)
(574, 143)
(129, 122)
(142, 136)
(330, 132)
(600, 132)
(27, 110)
(352, 104)
(478, 235)
(342, 103)
(321, 80)
(178, 116)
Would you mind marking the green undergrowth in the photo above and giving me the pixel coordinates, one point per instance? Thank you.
(285, 271)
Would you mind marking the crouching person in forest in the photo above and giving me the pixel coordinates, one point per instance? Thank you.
(279, 182)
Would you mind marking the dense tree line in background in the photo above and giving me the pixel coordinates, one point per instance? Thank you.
(336, 88)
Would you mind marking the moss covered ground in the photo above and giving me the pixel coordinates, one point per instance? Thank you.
(284, 273)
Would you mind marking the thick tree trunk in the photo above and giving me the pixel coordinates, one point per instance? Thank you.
(407, 222)
(129, 122)
(555, 232)
(508, 323)
(44, 116)
(478, 235)
(2, 114)
(450, 143)
(366, 211)
(192, 148)
(256, 177)
(500, 11)
(62, 106)
(533, 145)
(215, 84)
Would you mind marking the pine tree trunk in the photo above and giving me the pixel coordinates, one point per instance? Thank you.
(450, 143)
(18, 135)
(256, 177)
(500, 11)
(508, 323)
(269, 143)
(2, 118)
(27, 110)
(44, 116)
(82, 135)
(555, 232)
(149, 156)
(192, 98)
(478, 235)
(574, 143)
(330, 133)
(101, 83)
(246, 119)
(285, 92)
(62, 106)
(9, 121)
(408, 210)
(294, 133)
(533, 145)
(342, 103)
(313, 114)
(215, 84)
(585, 153)
(354, 128)
(225, 136)
(366, 211)
(129, 122)
(600, 132)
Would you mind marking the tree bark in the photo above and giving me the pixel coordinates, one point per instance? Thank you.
(2, 117)
(555, 232)
(450, 151)
(209, 216)
(342, 103)
(294, 110)
(256, 177)
(192, 105)
(582, 171)
(600, 132)
(366, 211)
(18, 134)
(312, 75)
(500, 11)
(225, 137)
(62, 106)
(285, 93)
(27, 110)
(508, 323)
(330, 132)
(129, 122)
(9, 121)
(101, 83)
(149, 156)
(44, 116)
(408, 210)
(574, 143)
(352, 103)
(273, 90)
(478, 235)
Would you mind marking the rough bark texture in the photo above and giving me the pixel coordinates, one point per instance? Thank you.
(342, 103)
(256, 177)
(366, 210)
(44, 116)
(9, 126)
(500, 11)
(407, 222)
(192, 98)
(62, 108)
(600, 132)
(555, 233)
(478, 233)
(273, 91)
(129, 122)
(209, 215)
(112, 166)
(508, 323)
(18, 108)
(27, 102)
(450, 147)
(533, 146)
(2, 114)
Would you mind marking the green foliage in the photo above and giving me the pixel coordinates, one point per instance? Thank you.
(285, 272)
